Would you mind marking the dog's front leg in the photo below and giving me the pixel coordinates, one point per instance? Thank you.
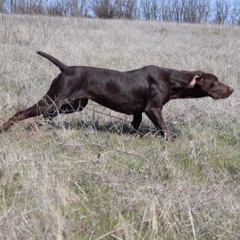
(155, 115)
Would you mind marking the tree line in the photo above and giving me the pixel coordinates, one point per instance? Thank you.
(191, 11)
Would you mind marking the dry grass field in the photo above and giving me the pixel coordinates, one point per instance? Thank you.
(88, 178)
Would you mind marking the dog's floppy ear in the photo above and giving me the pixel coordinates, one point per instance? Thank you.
(196, 79)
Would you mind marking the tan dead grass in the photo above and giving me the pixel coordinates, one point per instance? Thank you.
(91, 180)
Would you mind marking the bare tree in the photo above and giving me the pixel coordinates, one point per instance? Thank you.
(78, 7)
(59, 8)
(167, 10)
(194, 11)
(222, 11)
(25, 6)
(130, 8)
(150, 9)
(203, 10)
(2, 6)
(103, 8)
(119, 11)
(35, 7)
(235, 16)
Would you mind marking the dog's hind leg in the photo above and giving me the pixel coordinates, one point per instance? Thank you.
(42, 107)
(137, 119)
(69, 107)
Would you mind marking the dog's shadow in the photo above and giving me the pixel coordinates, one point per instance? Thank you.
(115, 127)
(112, 127)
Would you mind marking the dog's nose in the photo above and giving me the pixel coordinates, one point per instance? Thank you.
(231, 90)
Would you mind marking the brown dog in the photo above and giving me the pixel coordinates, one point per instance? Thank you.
(133, 92)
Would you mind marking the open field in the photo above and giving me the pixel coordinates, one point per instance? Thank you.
(89, 178)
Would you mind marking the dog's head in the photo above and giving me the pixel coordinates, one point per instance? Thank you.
(206, 84)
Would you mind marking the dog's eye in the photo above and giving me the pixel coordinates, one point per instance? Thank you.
(212, 84)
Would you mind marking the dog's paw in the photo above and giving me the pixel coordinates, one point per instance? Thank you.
(170, 137)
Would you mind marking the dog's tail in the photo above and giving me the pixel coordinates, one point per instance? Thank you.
(55, 61)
